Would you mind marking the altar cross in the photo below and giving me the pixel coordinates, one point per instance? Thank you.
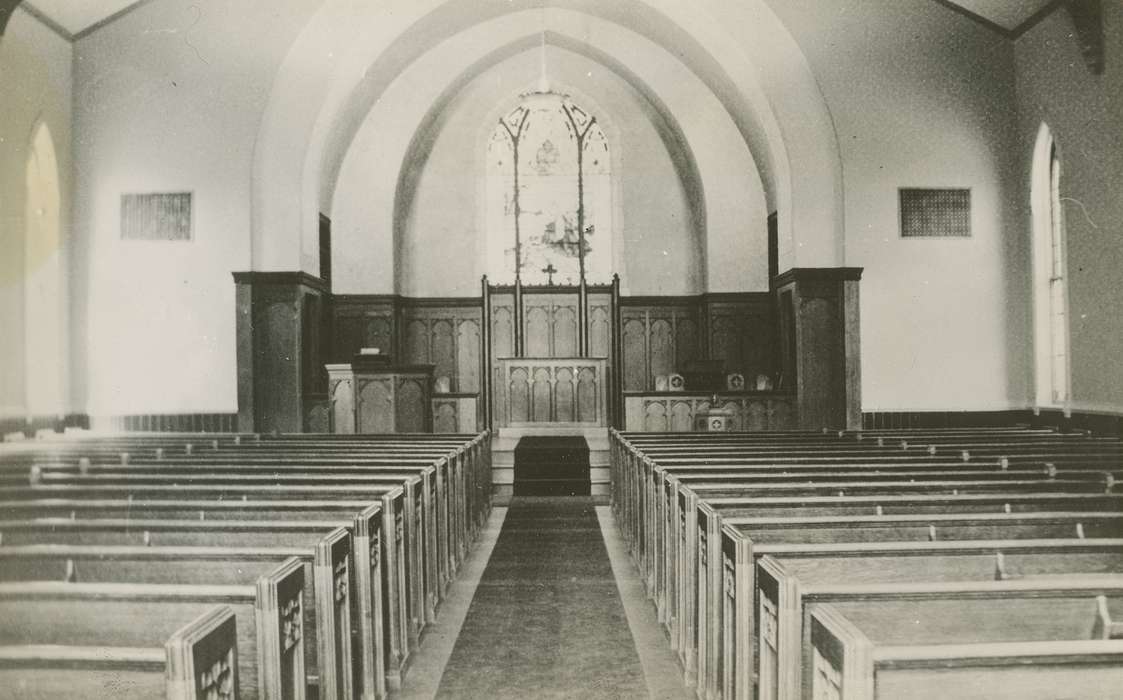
(550, 270)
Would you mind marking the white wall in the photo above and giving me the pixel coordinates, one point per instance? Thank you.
(169, 98)
(923, 97)
(1085, 113)
(35, 66)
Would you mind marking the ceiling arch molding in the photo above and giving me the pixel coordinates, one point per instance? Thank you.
(348, 54)
(433, 84)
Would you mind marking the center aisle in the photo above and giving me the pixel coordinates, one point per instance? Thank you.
(547, 619)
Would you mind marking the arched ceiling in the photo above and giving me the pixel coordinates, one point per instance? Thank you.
(349, 53)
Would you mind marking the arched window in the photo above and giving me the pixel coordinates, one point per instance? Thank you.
(549, 179)
(1050, 265)
(43, 312)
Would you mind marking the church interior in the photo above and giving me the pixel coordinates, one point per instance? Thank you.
(561, 348)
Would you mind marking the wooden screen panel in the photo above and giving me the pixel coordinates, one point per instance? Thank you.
(442, 351)
(519, 392)
(445, 418)
(686, 341)
(682, 417)
(411, 406)
(537, 341)
(655, 417)
(635, 355)
(565, 408)
(599, 327)
(662, 344)
(416, 344)
(565, 332)
(587, 395)
(377, 334)
(541, 394)
(375, 407)
(468, 356)
(343, 407)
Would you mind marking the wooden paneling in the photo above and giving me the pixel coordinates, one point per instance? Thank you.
(280, 340)
(411, 405)
(551, 390)
(824, 327)
(663, 412)
(442, 332)
(374, 408)
(663, 334)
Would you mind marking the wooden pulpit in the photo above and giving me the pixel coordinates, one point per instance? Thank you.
(373, 395)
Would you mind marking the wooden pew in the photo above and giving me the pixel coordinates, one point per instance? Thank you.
(197, 662)
(404, 524)
(371, 523)
(787, 586)
(433, 559)
(939, 653)
(59, 593)
(685, 533)
(726, 565)
(655, 555)
(374, 638)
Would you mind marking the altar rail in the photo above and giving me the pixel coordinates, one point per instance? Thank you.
(675, 411)
(533, 391)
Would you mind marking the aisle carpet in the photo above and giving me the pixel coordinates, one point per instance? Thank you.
(546, 620)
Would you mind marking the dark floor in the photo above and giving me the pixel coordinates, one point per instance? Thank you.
(546, 620)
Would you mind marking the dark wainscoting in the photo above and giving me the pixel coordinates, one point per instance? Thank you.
(169, 423)
(661, 334)
(163, 423)
(1099, 423)
(29, 426)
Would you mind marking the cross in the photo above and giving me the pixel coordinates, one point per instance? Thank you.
(550, 270)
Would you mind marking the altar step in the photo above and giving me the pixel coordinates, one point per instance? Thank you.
(503, 475)
(552, 465)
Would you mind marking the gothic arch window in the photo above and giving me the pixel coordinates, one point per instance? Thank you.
(549, 194)
(43, 310)
(1050, 265)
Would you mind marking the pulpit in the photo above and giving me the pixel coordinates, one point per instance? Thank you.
(373, 395)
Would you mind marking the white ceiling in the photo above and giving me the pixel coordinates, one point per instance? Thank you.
(77, 15)
(1008, 14)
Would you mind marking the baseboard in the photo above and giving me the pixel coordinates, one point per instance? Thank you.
(30, 425)
(1100, 423)
(168, 423)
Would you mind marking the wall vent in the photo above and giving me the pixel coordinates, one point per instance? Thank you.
(160, 216)
(935, 213)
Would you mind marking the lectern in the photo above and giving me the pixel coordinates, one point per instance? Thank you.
(373, 395)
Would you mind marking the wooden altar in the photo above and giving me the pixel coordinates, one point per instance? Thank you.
(568, 392)
(552, 354)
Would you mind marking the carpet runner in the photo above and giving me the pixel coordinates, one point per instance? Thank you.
(547, 620)
(554, 465)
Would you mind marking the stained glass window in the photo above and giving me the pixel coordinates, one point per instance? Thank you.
(549, 175)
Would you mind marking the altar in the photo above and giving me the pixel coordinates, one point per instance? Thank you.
(563, 392)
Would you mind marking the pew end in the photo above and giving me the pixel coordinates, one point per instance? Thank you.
(202, 658)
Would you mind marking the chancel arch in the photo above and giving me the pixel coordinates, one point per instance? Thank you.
(303, 140)
(721, 187)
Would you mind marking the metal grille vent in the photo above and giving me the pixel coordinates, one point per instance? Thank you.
(935, 213)
(156, 217)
